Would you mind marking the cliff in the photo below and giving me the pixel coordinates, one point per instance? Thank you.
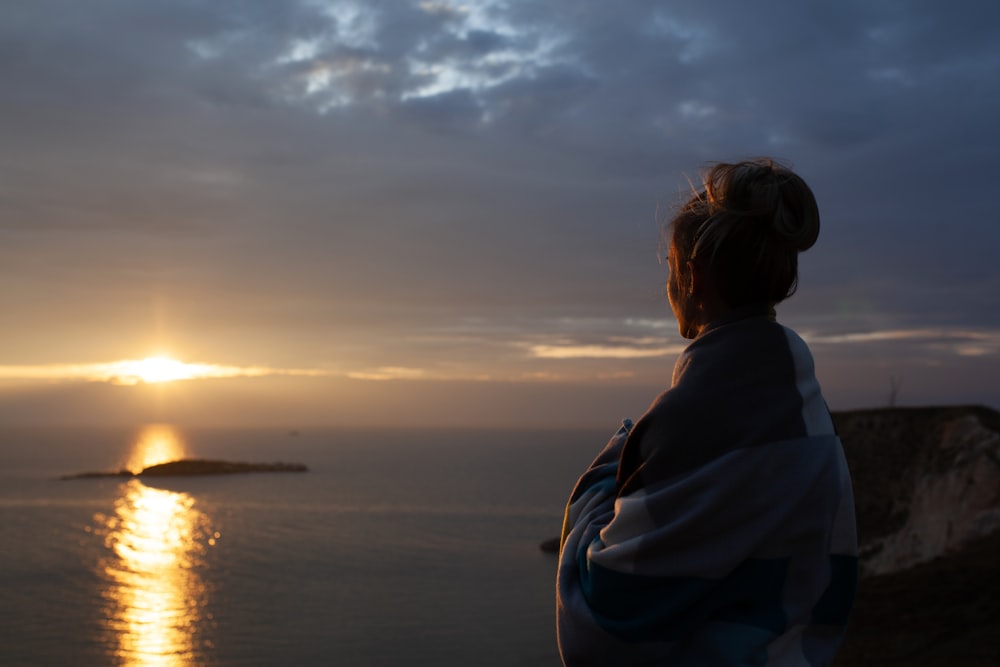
(926, 481)
(927, 493)
(941, 613)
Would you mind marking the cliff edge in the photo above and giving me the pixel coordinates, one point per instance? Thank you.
(927, 492)
(926, 481)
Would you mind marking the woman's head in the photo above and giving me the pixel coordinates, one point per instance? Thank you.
(742, 232)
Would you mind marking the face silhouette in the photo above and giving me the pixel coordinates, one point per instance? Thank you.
(679, 296)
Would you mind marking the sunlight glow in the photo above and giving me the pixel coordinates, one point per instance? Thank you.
(154, 592)
(157, 443)
(388, 373)
(602, 351)
(157, 369)
(162, 369)
(155, 542)
(151, 370)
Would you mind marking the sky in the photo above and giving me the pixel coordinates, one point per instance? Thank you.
(409, 214)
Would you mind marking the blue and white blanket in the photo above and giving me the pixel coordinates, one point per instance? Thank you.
(719, 529)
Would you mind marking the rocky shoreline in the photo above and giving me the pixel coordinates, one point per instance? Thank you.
(927, 496)
(927, 493)
(941, 613)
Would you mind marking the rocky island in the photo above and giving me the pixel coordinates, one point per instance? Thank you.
(191, 467)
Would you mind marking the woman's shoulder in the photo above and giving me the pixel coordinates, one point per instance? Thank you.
(734, 349)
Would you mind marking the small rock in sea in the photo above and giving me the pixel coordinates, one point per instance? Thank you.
(550, 546)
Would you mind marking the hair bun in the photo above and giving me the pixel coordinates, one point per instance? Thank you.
(795, 220)
(746, 228)
(770, 193)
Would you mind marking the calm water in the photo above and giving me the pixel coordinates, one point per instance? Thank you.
(396, 548)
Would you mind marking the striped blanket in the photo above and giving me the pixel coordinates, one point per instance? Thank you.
(718, 529)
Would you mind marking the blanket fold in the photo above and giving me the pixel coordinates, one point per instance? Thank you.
(719, 528)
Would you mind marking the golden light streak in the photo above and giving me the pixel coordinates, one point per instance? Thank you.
(602, 351)
(162, 369)
(157, 443)
(389, 373)
(961, 342)
(151, 370)
(154, 591)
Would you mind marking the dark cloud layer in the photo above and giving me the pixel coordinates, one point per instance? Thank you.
(339, 183)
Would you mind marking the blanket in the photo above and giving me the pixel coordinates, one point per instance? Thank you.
(719, 528)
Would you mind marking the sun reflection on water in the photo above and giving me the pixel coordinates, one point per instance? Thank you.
(155, 594)
(156, 443)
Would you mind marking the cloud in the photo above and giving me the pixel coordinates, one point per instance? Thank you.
(149, 370)
(947, 341)
(571, 351)
(389, 373)
(351, 185)
(934, 335)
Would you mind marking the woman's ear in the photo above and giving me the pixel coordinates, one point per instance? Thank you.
(695, 279)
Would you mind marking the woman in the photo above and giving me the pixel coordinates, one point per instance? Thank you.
(719, 528)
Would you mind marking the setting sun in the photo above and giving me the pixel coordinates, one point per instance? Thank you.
(160, 369)
(155, 369)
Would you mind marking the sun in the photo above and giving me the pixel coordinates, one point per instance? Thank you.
(160, 369)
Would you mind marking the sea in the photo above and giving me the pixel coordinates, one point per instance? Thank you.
(417, 547)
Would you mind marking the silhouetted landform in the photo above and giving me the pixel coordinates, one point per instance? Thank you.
(926, 481)
(942, 613)
(93, 474)
(192, 467)
(550, 546)
(927, 494)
